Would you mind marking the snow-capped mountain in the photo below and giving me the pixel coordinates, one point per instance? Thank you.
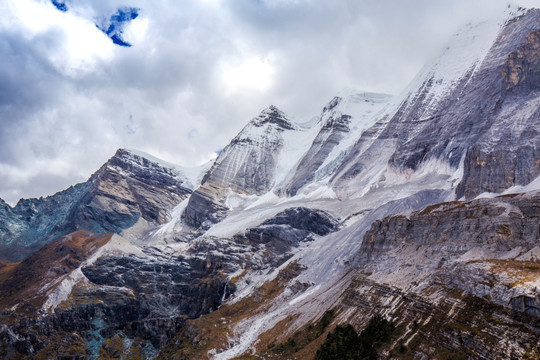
(132, 187)
(341, 123)
(459, 116)
(255, 161)
(423, 208)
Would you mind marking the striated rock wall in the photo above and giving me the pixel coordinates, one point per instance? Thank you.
(246, 166)
(486, 117)
(126, 188)
(488, 248)
(335, 126)
(497, 225)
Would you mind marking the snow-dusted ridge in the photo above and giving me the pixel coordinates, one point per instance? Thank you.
(382, 170)
(190, 176)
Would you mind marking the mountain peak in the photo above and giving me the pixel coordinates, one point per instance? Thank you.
(272, 115)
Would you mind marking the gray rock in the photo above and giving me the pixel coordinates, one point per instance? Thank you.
(247, 165)
(331, 133)
(490, 119)
(126, 188)
(498, 225)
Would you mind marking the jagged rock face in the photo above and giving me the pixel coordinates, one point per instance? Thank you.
(142, 298)
(33, 222)
(480, 116)
(486, 247)
(342, 121)
(248, 163)
(126, 188)
(336, 124)
(499, 224)
(247, 166)
(205, 206)
(508, 153)
(310, 220)
(522, 69)
(286, 230)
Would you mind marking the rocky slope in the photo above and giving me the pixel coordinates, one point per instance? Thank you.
(461, 114)
(336, 135)
(127, 189)
(299, 227)
(249, 165)
(97, 288)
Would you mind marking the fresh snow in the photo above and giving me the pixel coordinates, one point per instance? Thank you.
(364, 109)
(295, 144)
(175, 225)
(190, 176)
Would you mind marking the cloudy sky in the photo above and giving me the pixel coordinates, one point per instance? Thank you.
(195, 73)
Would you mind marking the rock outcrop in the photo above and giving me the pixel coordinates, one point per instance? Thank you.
(483, 112)
(127, 188)
(486, 247)
(496, 225)
(246, 166)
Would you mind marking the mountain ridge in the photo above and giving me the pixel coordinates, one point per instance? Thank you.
(421, 208)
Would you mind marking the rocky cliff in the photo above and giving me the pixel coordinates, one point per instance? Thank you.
(127, 188)
(462, 112)
(249, 165)
(342, 121)
(421, 208)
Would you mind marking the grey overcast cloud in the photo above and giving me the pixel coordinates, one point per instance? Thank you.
(178, 79)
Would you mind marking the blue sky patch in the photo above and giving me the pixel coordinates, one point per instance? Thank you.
(114, 27)
(60, 5)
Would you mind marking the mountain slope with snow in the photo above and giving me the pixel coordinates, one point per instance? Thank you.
(299, 227)
(131, 187)
(255, 161)
(458, 116)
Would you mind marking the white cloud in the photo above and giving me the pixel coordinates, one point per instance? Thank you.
(251, 73)
(198, 70)
(80, 45)
(136, 30)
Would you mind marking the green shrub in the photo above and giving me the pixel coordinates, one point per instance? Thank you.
(344, 343)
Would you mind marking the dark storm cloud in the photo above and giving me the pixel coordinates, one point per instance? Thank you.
(69, 97)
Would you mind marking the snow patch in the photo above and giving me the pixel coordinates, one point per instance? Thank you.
(175, 224)
(117, 246)
(190, 176)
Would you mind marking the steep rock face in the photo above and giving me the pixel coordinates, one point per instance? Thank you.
(280, 234)
(128, 187)
(498, 224)
(464, 106)
(33, 222)
(331, 133)
(486, 247)
(143, 298)
(343, 118)
(508, 153)
(247, 166)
